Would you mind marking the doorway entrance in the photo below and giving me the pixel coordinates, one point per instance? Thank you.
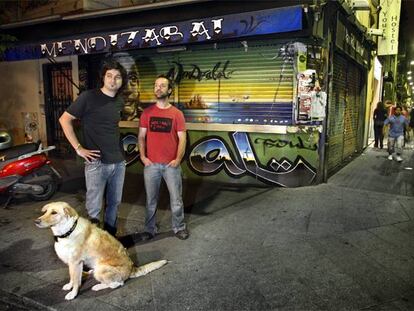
(58, 96)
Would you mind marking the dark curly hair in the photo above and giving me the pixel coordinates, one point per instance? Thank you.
(110, 64)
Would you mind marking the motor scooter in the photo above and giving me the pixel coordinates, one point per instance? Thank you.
(26, 170)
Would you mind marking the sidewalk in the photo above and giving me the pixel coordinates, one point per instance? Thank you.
(344, 245)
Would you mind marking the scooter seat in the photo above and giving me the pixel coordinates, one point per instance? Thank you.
(17, 151)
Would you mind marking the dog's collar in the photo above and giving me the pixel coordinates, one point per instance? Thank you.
(67, 233)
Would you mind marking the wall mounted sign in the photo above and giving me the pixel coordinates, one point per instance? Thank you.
(389, 23)
(255, 23)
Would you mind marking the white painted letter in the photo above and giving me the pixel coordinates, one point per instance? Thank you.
(79, 45)
(92, 42)
(151, 36)
(44, 49)
(131, 37)
(169, 31)
(217, 25)
(197, 26)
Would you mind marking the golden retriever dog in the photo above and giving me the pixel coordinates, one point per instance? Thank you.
(79, 242)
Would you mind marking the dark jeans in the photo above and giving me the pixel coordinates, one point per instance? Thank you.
(379, 135)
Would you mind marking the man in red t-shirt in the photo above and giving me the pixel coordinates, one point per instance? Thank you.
(162, 139)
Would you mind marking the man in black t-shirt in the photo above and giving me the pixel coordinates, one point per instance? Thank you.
(99, 111)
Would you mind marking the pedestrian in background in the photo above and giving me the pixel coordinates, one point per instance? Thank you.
(397, 123)
(380, 114)
(99, 111)
(406, 114)
(411, 123)
(162, 139)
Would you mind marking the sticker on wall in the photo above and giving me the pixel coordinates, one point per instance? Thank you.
(30, 126)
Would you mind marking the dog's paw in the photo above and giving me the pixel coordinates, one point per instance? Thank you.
(99, 287)
(67, 286)
(71, 295)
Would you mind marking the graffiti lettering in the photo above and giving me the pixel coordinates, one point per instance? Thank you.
(288, 174)
(130, 145)
(280, 143)
(212, 154)
(177, 72)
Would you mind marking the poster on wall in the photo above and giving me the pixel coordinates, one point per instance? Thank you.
(306, 82)
(311, 100)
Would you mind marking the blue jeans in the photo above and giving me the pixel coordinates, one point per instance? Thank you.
(152, 178)
(100, 176)
(395, 144)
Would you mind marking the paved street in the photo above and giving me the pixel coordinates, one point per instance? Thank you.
(344, 245)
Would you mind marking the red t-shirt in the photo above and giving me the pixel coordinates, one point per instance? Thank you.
(162, 126)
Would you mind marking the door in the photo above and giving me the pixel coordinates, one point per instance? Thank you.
(58, 96)
(346, 113)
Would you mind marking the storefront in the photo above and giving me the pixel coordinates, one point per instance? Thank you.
(253, 87)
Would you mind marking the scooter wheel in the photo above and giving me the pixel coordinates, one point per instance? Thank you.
(50, 190)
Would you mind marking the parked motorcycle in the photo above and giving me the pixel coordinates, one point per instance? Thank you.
(26, 170)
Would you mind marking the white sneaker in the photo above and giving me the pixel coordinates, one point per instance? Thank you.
(390, 157)
(399, 159)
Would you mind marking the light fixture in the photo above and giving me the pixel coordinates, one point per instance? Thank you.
(411, 83)
(409, 78)
(409, 72)
(412, 62)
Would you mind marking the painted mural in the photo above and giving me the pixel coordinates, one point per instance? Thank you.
(239, 83)
(235, 83)
(288, 160)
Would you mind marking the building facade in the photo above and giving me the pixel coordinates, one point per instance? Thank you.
(274, 93)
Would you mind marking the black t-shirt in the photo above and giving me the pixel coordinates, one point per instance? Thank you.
(99, 115)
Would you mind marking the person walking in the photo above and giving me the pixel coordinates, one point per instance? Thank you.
(162, 139)
(397, 123)
(380, 114)
(99, 111)
(411, 124)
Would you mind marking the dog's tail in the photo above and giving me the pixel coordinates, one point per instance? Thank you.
(149, 267)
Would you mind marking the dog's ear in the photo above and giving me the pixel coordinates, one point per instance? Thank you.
(44, 208)
(69, 211)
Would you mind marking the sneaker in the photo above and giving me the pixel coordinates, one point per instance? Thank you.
(182, 234)
(399, 159)
(390, 157)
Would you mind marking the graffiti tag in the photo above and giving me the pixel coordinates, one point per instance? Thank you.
(210, 155)
(280, 143)
(177, 72)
